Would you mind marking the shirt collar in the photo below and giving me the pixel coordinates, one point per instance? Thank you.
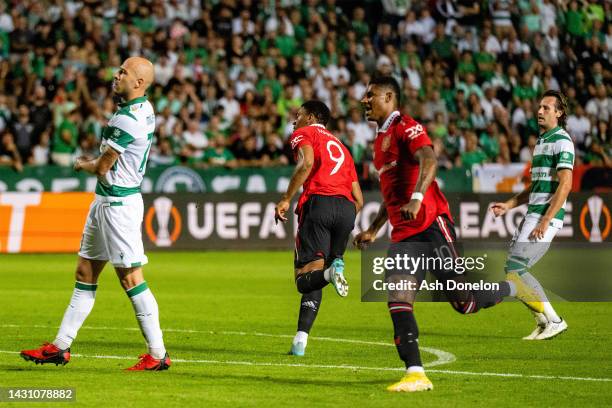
(388, 121)
(318, 125)
(549, 132)
(140, 99)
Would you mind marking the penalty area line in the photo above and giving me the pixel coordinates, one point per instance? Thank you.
(347, 367)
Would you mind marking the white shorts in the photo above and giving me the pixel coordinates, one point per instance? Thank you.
(524, 253)
(113, 231)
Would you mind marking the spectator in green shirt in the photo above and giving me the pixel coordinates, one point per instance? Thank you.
(218, 155)
(284, 42)
(485, 62)
(442, 47)
(358, 23)
(466, 65)
(575, 18)
(472, 155)
(269, 80)
(65, 140)
(524, 90)
(489, 140)
(470, 87)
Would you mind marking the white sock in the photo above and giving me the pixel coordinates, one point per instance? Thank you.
(81, 303)
(415, 369)
(147, 315)
(549, 311)
(301, 336)
(540, 318)
(327, 274)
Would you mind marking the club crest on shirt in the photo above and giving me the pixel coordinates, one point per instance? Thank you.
(385, 143)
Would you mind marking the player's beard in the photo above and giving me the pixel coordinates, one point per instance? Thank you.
(117, 94)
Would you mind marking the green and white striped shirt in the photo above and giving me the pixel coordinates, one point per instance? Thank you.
(130, 132)
(554, 151)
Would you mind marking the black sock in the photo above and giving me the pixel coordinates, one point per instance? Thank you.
(310, 281)
(309, 307)
(406, 333)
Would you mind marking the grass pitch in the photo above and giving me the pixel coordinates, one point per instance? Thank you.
(229, 318)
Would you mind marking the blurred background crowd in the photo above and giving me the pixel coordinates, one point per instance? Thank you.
(230, 75)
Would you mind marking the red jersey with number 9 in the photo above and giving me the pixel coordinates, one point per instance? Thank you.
(394, 148)
(333, 171)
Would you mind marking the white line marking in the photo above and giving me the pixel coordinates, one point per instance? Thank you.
(348, 367)
(443, 357)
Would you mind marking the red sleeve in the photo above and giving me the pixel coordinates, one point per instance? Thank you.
(414, 135)
(298, 139)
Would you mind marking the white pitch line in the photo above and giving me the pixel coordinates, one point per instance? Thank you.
(349, 367)
(443, 357)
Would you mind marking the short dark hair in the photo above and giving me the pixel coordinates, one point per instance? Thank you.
(318, 109)
(561, 104)
(390, 83)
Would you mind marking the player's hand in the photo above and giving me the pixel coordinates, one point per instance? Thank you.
(499, 208)
(409, 211)
(78, 164)
(540, 229)
(281, 210)
(362, 239)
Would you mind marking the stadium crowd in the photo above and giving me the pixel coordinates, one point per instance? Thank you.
(230, 74)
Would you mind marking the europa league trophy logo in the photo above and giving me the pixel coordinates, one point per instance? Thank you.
(595, 205)
(163, 206)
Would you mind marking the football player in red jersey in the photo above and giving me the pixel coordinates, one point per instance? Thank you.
(421, 221)
(326, 212)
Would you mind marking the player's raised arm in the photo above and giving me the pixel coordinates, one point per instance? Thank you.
(99, 166)
(300, 175)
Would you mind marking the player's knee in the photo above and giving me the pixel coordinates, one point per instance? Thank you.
(130, 277)
(84, 273)
(302, 283)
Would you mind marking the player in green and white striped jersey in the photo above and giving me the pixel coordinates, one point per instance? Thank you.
(113, 227)
(551, 182)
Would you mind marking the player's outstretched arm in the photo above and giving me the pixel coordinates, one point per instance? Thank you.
(519, 199)
(357, 195)
(556, 202)
(362, 239)
(99, 166)
(427, 174)
(300, 175)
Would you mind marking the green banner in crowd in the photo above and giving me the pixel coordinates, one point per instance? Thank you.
(171, 179)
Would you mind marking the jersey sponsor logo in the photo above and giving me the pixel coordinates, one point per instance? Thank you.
(414, 131)
(163, 209)
(296, 140)
(595, 207)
